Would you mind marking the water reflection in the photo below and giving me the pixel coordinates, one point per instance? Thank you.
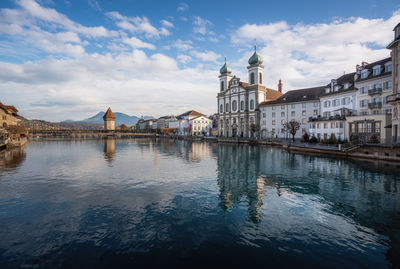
(109, 149)
(12, 159)
(177, 200)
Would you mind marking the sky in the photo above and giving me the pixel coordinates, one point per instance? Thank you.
(70, 59)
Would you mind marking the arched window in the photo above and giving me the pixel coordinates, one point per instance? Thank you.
(226, 108)
(251, 104)
(251, 78)
(234, 105)
(221, 108)
(260, 76)
(241, 105)
(222, 86)
(4, 125)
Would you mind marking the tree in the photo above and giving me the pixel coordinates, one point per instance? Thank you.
(124, 127)
(292, 127)
(254, 128)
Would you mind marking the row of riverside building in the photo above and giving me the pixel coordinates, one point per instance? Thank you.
(364, 104)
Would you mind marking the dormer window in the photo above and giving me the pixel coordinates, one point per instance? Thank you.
(336, 88)
(388, 67)
(346, 86)
(377, 71)
(364, 73)
(327, 90)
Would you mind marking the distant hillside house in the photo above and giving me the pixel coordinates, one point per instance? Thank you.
(109, 120)
(238, 102)
(8, 116)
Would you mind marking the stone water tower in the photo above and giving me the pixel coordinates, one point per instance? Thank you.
(109, 120)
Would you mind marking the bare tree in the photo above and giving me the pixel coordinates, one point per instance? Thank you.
(292, 127)
(254, 128)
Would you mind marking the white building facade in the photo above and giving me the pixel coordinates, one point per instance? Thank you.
(394, 99)
(238, 102)
(296, 105)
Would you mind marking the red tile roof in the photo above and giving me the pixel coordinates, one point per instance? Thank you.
(109, 114)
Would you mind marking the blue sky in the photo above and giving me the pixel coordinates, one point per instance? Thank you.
(70, 59)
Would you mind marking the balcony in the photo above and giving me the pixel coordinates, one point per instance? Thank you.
(375, 91)
(393, 97)
(374, 105)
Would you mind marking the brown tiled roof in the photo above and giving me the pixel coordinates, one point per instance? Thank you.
(272, 94)
(190, 113)
(9, 109)
(302, 95)
(109, 114)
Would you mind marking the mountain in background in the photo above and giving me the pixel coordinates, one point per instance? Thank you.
(121, 118)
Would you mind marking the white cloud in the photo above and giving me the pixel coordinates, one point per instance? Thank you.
(137, 25)
(134, 83)
(166, 23)
(183, 45)
(208, 56)
(137, 43)
(182, 7)
(310, 55)
(183, 58)
(95, 5)
(200, 25)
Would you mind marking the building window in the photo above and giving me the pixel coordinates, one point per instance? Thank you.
(273, 114)
(293, 113)
(387, 85)
(304, 105)
(325, 125)
(282, 114)
(282, 107)
(332, 125)
(282, 122)
(389, 68)
(377, 71)
(234, 105)
(251, 78)
(304, 121)
(303, 113)
(227, 108)
(318, 125)
(273, 122)
(363, 90)
(364, 103)
(315, 112)
(364, 74)
(241, 105)
(251, 104)
(260, 76)
(221, 108)
(292, 105)
(222, 86)
(316, 104)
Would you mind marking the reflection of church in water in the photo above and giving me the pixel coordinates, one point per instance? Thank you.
(239, 180)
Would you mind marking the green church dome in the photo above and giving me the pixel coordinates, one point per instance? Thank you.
(255, 58)
(225, 69)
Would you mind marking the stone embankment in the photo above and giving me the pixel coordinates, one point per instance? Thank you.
(89, 134)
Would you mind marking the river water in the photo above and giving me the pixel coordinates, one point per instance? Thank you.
(147, 203)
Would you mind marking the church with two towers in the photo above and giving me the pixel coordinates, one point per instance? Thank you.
(238, 101)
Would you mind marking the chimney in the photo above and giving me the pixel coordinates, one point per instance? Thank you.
(358, 69)
(280, 86)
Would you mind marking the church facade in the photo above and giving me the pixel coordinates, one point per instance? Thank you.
(238, 102)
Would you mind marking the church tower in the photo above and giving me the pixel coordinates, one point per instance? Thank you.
(109, 120)
(256, 69)
(225, 77)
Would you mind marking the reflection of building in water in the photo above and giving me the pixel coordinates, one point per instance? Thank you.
(238, 179)
(109, 149)
(12, 159)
